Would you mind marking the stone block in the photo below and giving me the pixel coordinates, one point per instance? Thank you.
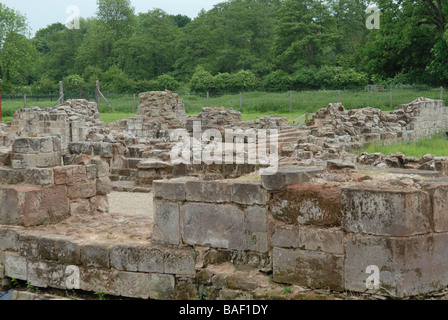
(60, 249)
(308, 268)
(255, 219)
(80, 207)
(70, 175)
(309, 204)
(38, 176)
(22, 161)
(166, 222)
(289, 175)
(218, 226)
(103, 186)
(209, 191)
(95, 254)
(386, 211)
(98, 280)
(45, 274)
(9, 240)
(257, 241)
(408, 266)
(102, 167)
(329, 240)
(137, 258)
(15, 266)
(438, 191)
(31, 206)
(180, 262)
(48, 160)
(249, 193)
(26, 146)
(286, 237)
(169, 189)
(82, 190)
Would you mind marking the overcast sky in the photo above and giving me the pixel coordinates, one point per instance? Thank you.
(41, 13)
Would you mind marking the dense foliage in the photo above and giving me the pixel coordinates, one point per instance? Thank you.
(239, 45)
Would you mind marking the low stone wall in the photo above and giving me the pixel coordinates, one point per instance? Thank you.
(318, 235)
(71, 121)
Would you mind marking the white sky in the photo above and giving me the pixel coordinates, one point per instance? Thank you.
(41, 13)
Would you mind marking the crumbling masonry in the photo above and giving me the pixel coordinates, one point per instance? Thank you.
(220, 230)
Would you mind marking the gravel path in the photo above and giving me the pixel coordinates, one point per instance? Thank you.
(131, 204)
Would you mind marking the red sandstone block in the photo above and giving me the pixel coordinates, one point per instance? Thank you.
(70, 175)
(31, 206)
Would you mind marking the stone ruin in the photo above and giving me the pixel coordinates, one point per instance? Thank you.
(222, 230)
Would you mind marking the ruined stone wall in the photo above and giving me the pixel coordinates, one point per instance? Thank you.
(72, 121)
(39, 189)
(313, 234)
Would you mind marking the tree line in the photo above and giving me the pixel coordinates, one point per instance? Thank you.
(270, 45)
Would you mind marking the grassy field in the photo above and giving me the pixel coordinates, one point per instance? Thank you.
(254, 104)
(436, 145)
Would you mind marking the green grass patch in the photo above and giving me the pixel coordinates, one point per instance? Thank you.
(436, 145)
(115, 116)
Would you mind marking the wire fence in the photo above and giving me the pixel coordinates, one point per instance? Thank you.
(295, 102)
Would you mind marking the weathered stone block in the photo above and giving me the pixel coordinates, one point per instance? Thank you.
(166, 222)
(15, 266)
(438, 191)
(249, 193)
(218, 226)
(70, 175)
(309, 204)
(26, 145)
(45, 274)
(40, 177)
(386, 211)
(60, 249)
(9, 240)
(102, 167)
(329, 240)
(288, 176)
(308, 268)
(137, 258)
(286, 237)
(408, 266)
(169, 189)
(257, 241)
(96, 254)
(48, 160)
(255, 218)
(31, 206)
(180, 262)
(209, 191)
(103, 186)
(80, 207)
(82, 190)
(98, 280)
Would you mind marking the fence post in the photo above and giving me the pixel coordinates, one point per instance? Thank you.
(97, 93)
(290, 101)
(339, 96)
(441, 93)
(391, 102)
(133, 107)
(61, 91)
(208, 99)
(241, 100)
(24, 100)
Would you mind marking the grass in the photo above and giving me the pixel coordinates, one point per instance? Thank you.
(436, 145)
(255, 105)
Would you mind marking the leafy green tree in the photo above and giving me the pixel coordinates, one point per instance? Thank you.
(11, 21)
(150, 51)
(202, 81)
(118, 15)
(306, 34)
(18, 57)
(180, 20)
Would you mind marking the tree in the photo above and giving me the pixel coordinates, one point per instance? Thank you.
(17, 59)
(150, 51)
(11, 21)
(181, 20)
(118, 15)
(306, 34)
